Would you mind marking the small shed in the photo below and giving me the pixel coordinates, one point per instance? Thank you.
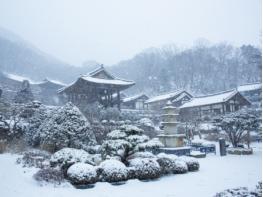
(177, 98)
(135, 102)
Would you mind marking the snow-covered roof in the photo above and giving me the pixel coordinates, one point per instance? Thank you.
(128, 99)
(53, 81)
(249, 87)
(210, 99)
(19, 78)
(115, 81)
(90, 77)
(164, 96)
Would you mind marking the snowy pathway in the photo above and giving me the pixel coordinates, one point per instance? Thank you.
(216, 174)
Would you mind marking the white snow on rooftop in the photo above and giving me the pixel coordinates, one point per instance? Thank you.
(210, 99)
(19, 78)
(249, 87)
(132, 98)
(107, 81)
(163, 96)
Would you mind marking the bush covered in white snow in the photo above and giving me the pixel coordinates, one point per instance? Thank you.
(49, 175)
(145, 168)
(171, 164)
(113, 171)
(127, 140)
(66, 157)
(65, 127)
(82, 173)
(192, 163)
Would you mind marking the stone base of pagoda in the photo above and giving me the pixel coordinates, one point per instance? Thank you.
(172, 141)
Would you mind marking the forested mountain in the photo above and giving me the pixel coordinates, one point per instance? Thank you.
(202, 69)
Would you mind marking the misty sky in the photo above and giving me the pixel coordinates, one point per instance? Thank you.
(112, 30)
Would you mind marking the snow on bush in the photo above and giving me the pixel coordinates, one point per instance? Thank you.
(35, 158)
(145, 168)
(82, 173)
(142, 155)
(146, 122)
(126, 141)
(49, 175)
(171, 164)
(66, 157)
(137, 139)
(131, 130)
(152, 144)
(192, 163)
(242, 191)
(116, 134)
(113, 171)
(65, 127)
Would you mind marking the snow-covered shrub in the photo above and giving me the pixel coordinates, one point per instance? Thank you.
(113, 171)
(66, 127)
(66, 157)
(82, 173)
(127, 140)
(171, 164)
(35, 158)
(192, 163)
(146, 122)
(141, 155)
(240, 192)
(49, 175)
(145, 168)
(152, 145)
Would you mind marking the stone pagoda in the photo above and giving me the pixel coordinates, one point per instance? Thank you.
(170, 137)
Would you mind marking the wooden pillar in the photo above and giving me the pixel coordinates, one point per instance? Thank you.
(118, 99)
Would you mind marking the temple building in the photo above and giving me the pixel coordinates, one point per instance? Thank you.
(135, 102)
(99, 85)
(214, 104)
(177, 98)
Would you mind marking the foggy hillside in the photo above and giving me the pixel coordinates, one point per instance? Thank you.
(20, 57)
(202, 69)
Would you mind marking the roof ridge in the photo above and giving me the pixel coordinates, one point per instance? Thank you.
(217, 93)
(250, 84)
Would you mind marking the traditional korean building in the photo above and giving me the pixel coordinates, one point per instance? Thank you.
(214, 104)
(135, 102)
(252, 92)
(99, 85)
(177, 98)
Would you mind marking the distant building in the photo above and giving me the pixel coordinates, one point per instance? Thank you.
(48, 91)
(99, 85)
(177, 98)
(252, 91)
(214, 104)
(135, 102)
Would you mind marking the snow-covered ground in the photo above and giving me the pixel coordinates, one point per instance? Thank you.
(216, 174)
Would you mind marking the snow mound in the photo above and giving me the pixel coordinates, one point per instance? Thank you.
(113, 171)
(145, 168)
(82, 173)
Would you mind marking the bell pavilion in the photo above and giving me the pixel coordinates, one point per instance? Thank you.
(98, 85)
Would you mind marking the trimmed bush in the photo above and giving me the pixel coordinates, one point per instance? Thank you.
(82, 173)
(192, 164)
(113, 171)
(49, 175)
(66, 157)
(171, 164)
(145, 168)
